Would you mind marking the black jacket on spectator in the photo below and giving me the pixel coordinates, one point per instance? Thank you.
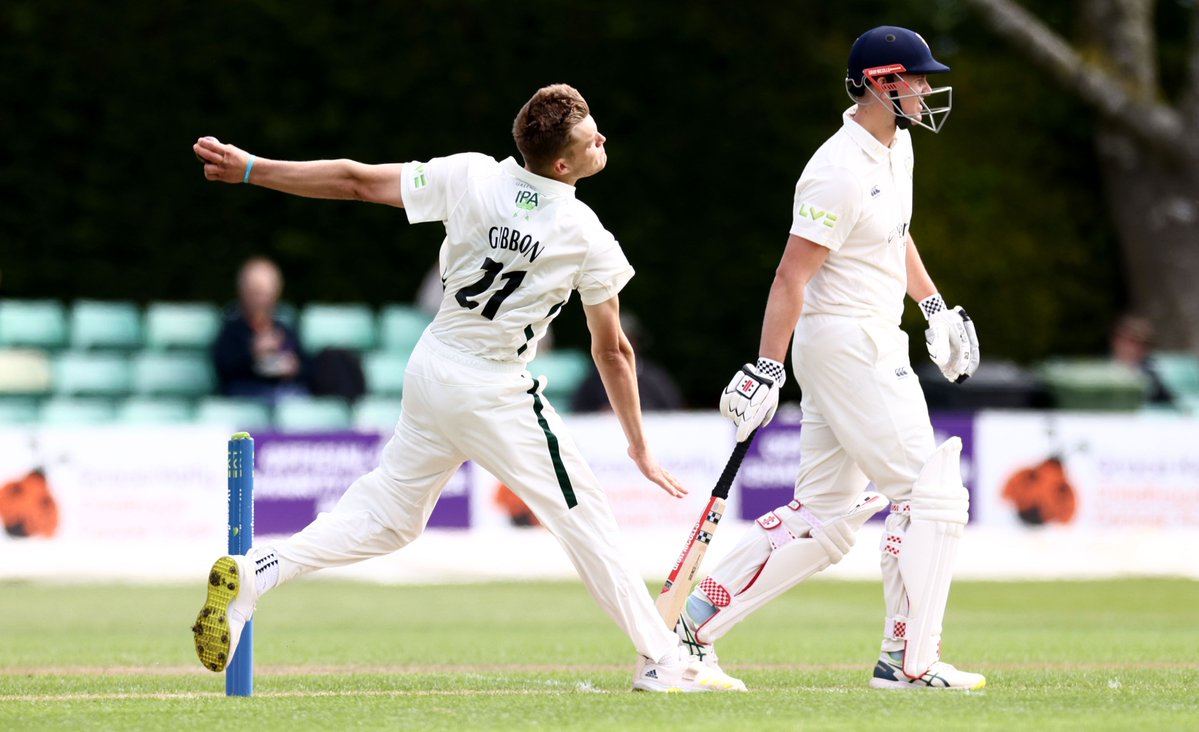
(233, 357)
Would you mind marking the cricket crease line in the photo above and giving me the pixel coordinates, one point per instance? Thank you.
(267, 670)
(176, 695)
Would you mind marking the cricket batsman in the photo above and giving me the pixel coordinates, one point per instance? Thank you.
(837, 296)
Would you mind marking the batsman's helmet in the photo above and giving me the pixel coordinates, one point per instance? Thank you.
(888, 45)
(878, 55)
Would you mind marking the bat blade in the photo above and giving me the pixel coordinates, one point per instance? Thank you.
(678, 584)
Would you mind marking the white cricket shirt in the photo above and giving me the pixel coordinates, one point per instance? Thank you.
(855, 197)
(516, 245)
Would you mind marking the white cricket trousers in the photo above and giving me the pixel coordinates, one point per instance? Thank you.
(457, 407)
(864, 413)
(864, 419)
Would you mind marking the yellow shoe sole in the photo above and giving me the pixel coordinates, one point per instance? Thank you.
(211, 630)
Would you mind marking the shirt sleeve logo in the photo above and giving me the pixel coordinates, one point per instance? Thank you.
(420, 181)
(827, 218)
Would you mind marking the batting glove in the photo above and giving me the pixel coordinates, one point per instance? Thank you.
(752, 397)
(951, 339)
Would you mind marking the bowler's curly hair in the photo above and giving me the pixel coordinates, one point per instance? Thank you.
(542, 127)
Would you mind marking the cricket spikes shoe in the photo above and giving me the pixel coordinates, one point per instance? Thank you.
(232, 595)
(705, 653)
(682, 673)
(888, 674)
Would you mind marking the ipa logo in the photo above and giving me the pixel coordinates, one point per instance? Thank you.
(526, 203)
(526, 200)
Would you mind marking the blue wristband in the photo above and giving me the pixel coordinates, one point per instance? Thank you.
(249, 167)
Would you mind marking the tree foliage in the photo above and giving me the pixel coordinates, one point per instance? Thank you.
(1135, 65)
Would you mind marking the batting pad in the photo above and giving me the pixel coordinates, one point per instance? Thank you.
(939, 510)
(792, 559)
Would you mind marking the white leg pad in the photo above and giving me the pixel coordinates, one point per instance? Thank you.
(926, 551)
(792, 559)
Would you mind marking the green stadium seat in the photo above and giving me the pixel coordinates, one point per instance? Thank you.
(1093, 384)
(238, 414)
(181, 325)
(384, 371)
(92, 373)
(564, 369)
(152, 410)
(312, 414)
(174, 373)
(1189, 404)
(400, 327)
(61, 410)
(1178, 371)
(324, 325)
(376, 413)
(33, 323)
(20, 410)
(287, 314)
(25, 371)
(101, 324)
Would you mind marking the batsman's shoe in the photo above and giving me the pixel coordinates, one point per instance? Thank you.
(232, 595)
(682, 674)
(888, 674)
(705, 653)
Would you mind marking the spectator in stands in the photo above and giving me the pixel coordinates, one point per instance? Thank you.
(1131, 344)
(255, 353)
(658, 391)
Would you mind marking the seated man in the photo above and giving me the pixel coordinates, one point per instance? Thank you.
(256, 354)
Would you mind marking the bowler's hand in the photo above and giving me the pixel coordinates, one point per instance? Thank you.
(649, 467)
(222, 162)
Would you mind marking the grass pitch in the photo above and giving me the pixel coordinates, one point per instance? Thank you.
(1114, 655)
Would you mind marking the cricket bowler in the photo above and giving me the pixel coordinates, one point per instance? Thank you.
(518, 243)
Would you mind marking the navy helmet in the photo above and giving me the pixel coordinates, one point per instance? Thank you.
(888, 45)
(879, 56)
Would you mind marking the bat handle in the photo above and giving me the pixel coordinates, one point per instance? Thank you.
(731, 467)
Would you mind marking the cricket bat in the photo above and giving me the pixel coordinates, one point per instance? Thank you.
(678, 585)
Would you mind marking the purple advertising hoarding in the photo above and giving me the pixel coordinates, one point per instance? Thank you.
(297, 476)
(767, 477)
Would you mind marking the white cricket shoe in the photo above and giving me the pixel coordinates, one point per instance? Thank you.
(888, 674)
(705, 653)
(682, 674)
(232, 595)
